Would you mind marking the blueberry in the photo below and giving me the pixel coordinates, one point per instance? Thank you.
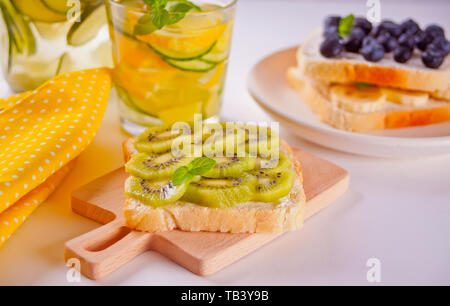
(422, 40)
(331, 46)
(377, 31)
(363, 23)
(369, 40)
(334, 36)
(332, 21)
(331, 25)
(393, 28)
(390, 44)
(331, 30)
(406, 40)
(440, 44)
(435, 31)
(353, 41)
(402, 54)
(383, 37)
(388, 41)
(409, 26)
(372, 51)
(432, 59)
(436, 48)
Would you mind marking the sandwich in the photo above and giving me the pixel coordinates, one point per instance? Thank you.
(254, 185)
(360, 77)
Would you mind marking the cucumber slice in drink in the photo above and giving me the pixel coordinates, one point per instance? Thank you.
(32, 74)
(215, 56)
(36, 9)
(52, 30)
(63, 6)
(65, 64)
(131, 112)
(221, 49)
(180, 56)
(7, 40)
(18, 29)
(179, 42)
(132, 102)
(58, 6)
(123, 95)
(92, 20)
(193, 65)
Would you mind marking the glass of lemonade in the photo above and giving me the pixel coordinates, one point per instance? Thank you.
(169, 62)
(42, 38)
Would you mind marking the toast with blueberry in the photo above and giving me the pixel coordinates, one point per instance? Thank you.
(237, 195)
(358, 77)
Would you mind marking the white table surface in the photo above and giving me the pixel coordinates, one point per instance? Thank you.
(396, 210)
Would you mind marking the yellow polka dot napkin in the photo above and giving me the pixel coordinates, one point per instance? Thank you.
(42, 131)
(15, 215)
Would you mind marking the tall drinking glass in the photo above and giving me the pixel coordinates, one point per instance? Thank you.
(170, 62)
(42, 38)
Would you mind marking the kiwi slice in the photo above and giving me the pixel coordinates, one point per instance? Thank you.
(154, 192)
(272, 185)
(259, 141)
(152, 166)
(268, 163)
(158, 139)
(231, 166)
(219, 138)
(220, 192)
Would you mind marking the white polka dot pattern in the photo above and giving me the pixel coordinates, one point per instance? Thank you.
(15, 215)
(42, 131)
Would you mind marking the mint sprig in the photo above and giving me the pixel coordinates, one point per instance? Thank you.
(198, 166)
(162, 13)
(362, 85)
(345, 25)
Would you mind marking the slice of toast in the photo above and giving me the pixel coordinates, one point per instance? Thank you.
(350, 68)
(316, 95)
(249, 217)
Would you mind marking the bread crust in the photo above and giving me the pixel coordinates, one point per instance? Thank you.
(347, 71)
(362, 122)
(251, 217)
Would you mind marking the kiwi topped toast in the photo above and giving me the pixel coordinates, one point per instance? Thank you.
(251, 194)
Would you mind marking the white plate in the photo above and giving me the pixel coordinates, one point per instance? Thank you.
(267, 85)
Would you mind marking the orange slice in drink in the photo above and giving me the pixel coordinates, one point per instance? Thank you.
(216, 76)
(136, 53)
(183, 113)
(183, 41)
(139, 82)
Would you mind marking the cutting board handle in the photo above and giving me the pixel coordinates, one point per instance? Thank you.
(106, 248)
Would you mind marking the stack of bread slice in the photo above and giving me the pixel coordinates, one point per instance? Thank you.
(350, 93)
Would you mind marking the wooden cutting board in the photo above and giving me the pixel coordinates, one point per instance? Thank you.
(105, 249)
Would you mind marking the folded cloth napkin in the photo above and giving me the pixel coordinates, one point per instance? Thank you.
(43, 131)
(15, 215)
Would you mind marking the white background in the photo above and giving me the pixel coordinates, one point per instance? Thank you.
(396, 210)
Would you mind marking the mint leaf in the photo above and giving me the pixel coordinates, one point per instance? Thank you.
(345, 25)
(144, 25)
(362, 85)
(181, 176)
(198, 166)
(202, 165)
(192, 5)
(160, 18)
(180, 7)
(178, 12)
(162, 13)
(155, 4)
(174, 18)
